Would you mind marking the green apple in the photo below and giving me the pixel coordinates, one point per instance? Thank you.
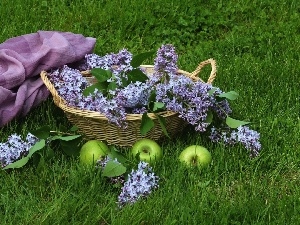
(92, 151)
(195, 155)
(149, 150)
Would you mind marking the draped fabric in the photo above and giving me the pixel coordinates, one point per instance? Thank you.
(22, 59)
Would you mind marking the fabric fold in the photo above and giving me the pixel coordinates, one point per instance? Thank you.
(22, 59)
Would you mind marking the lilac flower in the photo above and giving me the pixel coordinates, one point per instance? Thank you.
(166, 60)
(141, 110)
(70, 84)
(140, 183)
(243, 134)
(222, 107)
(248, 138)
(165, 64)
(190, 99)
(135, 95)
(118, 63)
(15, 148)
(114, 113)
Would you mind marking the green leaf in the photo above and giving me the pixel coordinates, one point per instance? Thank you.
(48, 153)
(62, 128)
(42, 132)
(137, 75)
(124, 82)
(158, 106)
(152, 96)
(113, 169)
(65, 138)
(36, 147)
(101, 75)
(17, 164)
(115, 154)
(102, 87)
(71, 147)
(45, 155)
(231, 95)
(140, 58)
(209, 117)
(162, 122)
(233, 123)
(147, 124)
(74, 128)
(112, 86)
(211, 91)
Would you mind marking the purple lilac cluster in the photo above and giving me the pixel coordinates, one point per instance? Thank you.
(165, 64)
(244, 135)
(140, 183)
(190, 99)
(70, 84)
(166, 60)
(118, 63)
(134, 96)
(221, 108)
(15, 148)
(180, 94)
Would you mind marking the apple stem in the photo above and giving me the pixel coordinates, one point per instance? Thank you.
(194, 160)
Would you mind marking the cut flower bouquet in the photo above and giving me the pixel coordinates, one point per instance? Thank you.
(120, 86)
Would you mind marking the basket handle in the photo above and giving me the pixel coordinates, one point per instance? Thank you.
(213, 72)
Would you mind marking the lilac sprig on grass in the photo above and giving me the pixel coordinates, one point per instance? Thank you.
(15, 148)
(140, 184)
(243, 135)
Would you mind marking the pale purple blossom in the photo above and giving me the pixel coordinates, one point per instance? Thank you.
(221, 107)
(140, 184)
(15, 148)
(118, 64)
(190, 99)
(243, 135)
(135, 95)
(166, 60)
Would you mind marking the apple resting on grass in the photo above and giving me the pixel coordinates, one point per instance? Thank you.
(92, 151)
(149, 150)
(195, 155)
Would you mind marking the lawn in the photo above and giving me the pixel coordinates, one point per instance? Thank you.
(256, 45)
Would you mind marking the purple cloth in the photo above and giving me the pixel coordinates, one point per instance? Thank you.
(22, 59)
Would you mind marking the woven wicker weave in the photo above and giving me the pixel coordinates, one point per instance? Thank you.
(96, 126)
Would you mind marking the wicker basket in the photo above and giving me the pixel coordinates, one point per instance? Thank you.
(96, 126)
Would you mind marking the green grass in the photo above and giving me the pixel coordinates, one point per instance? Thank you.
(256, 45)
